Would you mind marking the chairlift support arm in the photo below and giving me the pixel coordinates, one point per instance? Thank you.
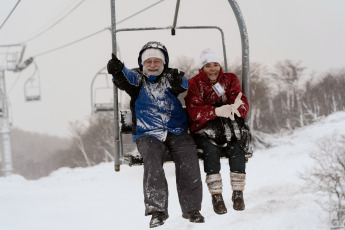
(175, 17)
(245, 48)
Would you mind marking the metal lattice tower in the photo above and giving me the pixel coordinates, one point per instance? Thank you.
(10, 60)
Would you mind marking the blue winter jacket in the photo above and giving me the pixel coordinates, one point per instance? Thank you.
(155, 107)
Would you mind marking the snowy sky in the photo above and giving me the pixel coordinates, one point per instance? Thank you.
(311, 31)
(99, 198)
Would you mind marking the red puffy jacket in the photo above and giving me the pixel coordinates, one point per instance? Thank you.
(201, 97)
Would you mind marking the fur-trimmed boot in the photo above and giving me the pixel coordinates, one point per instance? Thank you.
(238, 181)
(215, 186)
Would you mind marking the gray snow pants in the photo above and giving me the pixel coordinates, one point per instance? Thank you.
(188, 178)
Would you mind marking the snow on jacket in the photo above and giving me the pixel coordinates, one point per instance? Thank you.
(155, 107)
(201, 100)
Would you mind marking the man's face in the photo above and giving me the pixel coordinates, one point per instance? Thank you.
(153, 66)
(212, 70)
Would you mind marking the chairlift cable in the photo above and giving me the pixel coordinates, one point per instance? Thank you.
(140, 11)
(58, 21)
(71, 43)
(68, 44)
(9, 14)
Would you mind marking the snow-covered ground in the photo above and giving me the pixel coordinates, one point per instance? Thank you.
(100, 198)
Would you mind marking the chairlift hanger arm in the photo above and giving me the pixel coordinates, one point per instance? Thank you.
(184, 27)
(175, 17)
(245, 48)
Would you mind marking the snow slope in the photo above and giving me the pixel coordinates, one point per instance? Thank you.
(99, 198)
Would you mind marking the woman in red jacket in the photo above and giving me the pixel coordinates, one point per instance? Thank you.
(217, 109)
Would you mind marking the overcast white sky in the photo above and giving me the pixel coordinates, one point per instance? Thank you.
(311, 31)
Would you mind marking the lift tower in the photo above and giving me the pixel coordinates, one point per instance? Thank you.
(11, 60)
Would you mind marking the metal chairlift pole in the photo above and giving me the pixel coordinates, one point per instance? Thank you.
(245, 48)
(175, 17)
(116, 107)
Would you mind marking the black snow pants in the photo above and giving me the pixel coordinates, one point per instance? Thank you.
(188, 178)
(211, 155)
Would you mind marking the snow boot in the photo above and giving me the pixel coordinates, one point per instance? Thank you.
(194, 216)
(157, 219)
(238, 181)
(237, 198)
(218, 204)
(215, 186)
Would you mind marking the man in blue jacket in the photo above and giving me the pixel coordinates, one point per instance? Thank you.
(160, 124)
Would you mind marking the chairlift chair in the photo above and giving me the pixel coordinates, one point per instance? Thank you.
(120, 158)
(32, 86)
(102, 99)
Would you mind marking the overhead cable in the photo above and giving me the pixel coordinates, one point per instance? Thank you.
(69, 12)
(140, 11)
(9, 14)
(71, 43)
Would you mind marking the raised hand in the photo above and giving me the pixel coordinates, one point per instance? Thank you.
(114, 65)
(234, 107)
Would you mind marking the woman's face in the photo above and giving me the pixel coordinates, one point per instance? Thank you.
(212, 70)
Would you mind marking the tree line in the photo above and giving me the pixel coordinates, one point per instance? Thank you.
(284, 98)
(281, 98)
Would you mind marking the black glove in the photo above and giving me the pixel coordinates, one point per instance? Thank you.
(175, 78)
(114, 65)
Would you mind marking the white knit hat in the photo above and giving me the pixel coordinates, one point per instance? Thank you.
(207, 56)
(152, 53)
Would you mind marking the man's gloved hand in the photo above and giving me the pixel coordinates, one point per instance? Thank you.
(175, 77)
(114, 65)
(234, 107)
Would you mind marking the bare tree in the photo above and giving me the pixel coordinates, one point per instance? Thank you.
(77, 129)
(190, 69)
(36, 155)
(290, 73)
(328, 176)
(101, 134)
(187, 65)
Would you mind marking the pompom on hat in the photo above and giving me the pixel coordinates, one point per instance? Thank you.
(207, 56)
(152, 53)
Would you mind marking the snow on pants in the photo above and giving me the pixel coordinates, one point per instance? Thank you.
(188, 178)
(211, 155)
